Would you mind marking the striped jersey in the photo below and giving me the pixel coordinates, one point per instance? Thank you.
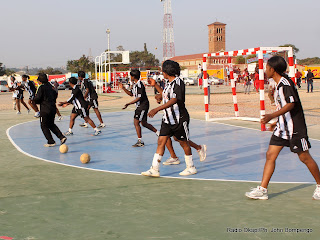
(139, 91)
(174, 89)
(87, 84)
(292, 122)
(77, 99)
(30, 87)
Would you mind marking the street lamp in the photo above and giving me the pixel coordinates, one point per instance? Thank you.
(109, 73)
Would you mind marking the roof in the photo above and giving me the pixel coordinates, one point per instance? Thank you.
(187, 57)
(217, 23)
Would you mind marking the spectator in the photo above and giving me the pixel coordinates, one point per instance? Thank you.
(298, 77)
(310, 77)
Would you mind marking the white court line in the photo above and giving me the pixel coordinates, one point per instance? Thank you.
(135, 174)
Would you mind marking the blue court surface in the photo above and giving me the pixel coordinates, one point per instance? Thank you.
(234, 153)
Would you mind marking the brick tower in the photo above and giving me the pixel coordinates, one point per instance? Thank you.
(217, 37)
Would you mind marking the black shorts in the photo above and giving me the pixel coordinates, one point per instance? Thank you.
(180, 130)
(141, 114)
(83, 112)
(297, 143)
(19, 96)
(93, 103)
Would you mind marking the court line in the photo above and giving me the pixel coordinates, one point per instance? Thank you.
(135, 174)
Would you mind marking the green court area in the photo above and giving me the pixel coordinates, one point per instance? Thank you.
(40, 200)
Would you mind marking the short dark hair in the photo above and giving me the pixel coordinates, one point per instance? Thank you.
(81, 74)
(73, 80)
(42, 78)
(171, 68)
(25, 76)
(135, 73)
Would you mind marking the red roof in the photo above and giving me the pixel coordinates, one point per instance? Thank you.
(197, 56)
(217, 23)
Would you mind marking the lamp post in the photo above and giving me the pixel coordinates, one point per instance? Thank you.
(109, 73)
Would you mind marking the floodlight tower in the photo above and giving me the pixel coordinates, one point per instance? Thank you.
(168, 37)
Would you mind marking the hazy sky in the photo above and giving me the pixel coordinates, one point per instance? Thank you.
(41, 33)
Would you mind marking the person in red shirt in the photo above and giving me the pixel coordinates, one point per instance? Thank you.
(298, 77)
(256, 80)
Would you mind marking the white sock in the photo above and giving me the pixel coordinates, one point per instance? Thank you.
(189, 161)
(140, 139)
(70, 129)
(96, 129)
(156, 161)
(157, 133)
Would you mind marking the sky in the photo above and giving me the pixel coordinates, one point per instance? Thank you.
(41, 33)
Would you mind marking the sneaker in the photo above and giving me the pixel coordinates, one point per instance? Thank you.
(316, 193)
(171, 161)
(258, 193)
(139, 143)
(203, 152)
(49, 144)
(68, 133)
(18, 112)
(63, 140)
(101, 125)
(60, 118)
(96, 133)
(151, 173)
(37, 115)
(188, 171)
(85, 125)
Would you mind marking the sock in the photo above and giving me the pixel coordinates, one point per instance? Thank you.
(140, 139)
(189, 161)
(70, 129)
(156, 161)
(96, 129)
(157, 133)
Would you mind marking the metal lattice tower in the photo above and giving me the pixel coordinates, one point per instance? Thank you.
(168, 37)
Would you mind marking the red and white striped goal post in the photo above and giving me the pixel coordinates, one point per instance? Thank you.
(259, 51)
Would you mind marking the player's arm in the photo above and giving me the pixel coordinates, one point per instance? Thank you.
(125, 90)
(288, 107)
(69, 101)
(132, 102)
(164, 106)
(86, 93)
(158, 98)
(153, 83)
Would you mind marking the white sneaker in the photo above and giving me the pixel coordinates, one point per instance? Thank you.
(60, 118)
(49, 144)
(316, 193)
(258, 193)
(203, 152)
(37, 115)
(171, 161)
(85, 125)
(18, 112)
(96, 133)
(151, 173)
(68, 133)
(101, 125)
(188, 171)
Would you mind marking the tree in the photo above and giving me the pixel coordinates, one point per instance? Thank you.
(309, 61)
(294, 48)
(50, 71)
(82, 64)
(240, 60)
(2, 70)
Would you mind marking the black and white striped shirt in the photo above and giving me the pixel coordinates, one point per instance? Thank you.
(292, 122)
(139, 91)
(30, 87)
(77, 99)
(174, 89)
